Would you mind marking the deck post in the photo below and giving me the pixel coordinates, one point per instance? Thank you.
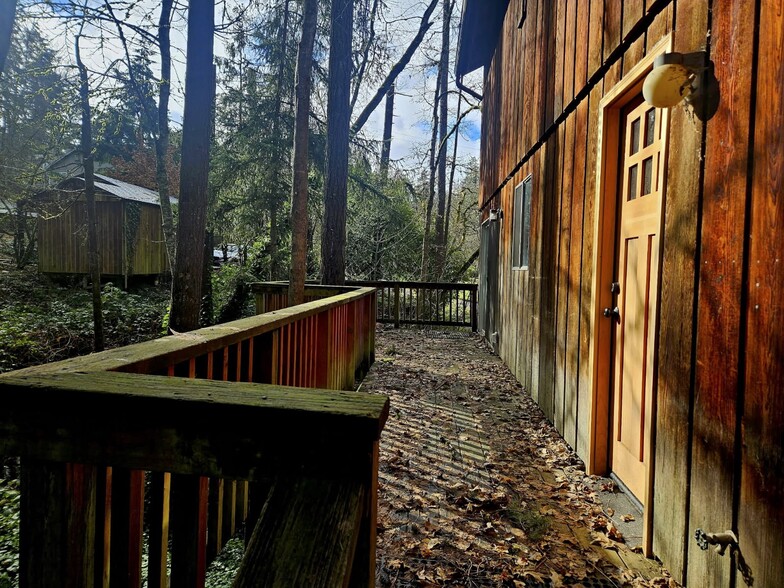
(363, 569)
(473, 310)
(57, 531)
(397, 306)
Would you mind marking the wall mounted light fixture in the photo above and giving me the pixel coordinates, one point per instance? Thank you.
(675, 76)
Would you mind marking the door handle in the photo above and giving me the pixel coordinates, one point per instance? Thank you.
(612, 313)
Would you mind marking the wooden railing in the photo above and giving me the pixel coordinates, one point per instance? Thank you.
(207, 424)
(398, 303)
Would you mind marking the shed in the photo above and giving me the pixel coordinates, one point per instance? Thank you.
(630, 272)
(130, 234)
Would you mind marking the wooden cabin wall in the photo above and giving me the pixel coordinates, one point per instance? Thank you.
(149, 251)
(720, 412)
(62, 240)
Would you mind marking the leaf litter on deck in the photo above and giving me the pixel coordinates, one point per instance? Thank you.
(476, 488)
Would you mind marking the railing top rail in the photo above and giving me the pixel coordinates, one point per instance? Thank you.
(160, 353)
(428, 285)
(277, 287)
(205, 427)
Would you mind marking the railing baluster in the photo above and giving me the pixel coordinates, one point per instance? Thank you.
(158, 548)
(229, 499)
(215, 518)
(189, 531)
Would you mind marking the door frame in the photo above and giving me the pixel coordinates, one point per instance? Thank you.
(600, 358)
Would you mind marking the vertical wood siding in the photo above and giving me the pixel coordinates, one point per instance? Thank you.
(62, 240)
(720, 348)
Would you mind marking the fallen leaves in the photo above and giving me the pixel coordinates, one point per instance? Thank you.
(475, 487)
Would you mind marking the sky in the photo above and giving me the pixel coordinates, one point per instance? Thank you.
(415, 86)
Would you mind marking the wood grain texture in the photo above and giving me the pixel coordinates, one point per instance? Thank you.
(57, 526)
(170, 424)
(305, 536)
(633, 11)
(762, 491)
(612, 38)
(586, 334)
(675, 363)
(720, 286)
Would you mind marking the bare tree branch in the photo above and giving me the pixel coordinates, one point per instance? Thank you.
(424, 26)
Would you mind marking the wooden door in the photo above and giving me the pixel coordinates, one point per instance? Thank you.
(638, 229)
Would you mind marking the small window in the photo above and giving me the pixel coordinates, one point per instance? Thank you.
(522, 224)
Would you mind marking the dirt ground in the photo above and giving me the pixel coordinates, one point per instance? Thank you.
(476, 488)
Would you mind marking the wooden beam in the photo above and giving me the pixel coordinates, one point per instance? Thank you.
(223, 429)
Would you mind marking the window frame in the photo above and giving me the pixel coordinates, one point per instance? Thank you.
(521, 220)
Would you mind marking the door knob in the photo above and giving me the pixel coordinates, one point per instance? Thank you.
(612, 313)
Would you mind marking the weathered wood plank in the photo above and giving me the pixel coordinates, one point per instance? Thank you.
(632, 12)
(548, 250)
(563, 241)
(673, 425)
(305, 536)
(558, 55)
(183, 425)
(57, 527)
(575, 260)
(160, 491)
(762, 491)
(127, 504)
(595, 35)
(612, 38)
(720, 286)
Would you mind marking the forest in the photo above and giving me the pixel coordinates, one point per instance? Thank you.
(289, 140)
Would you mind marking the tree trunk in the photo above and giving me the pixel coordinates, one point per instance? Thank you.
(386, 145)
(93, 255)
(443, 65)
(276, 167)
(7, 17)
(299, 186)
(333, 235)
(425, 271)
(452, 172)
(194, 169)
(162, 144)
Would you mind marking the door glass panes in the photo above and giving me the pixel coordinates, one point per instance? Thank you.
(647, 175)
(635, 137)
(650, 127)
(631, 189)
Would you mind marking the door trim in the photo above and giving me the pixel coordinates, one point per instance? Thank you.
(600, 352)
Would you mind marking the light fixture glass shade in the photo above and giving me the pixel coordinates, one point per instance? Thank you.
(666, 85)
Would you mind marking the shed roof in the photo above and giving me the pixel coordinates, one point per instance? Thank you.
(124, 190)
(480, 26)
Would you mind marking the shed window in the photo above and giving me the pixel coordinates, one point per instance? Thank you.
(522, 224)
